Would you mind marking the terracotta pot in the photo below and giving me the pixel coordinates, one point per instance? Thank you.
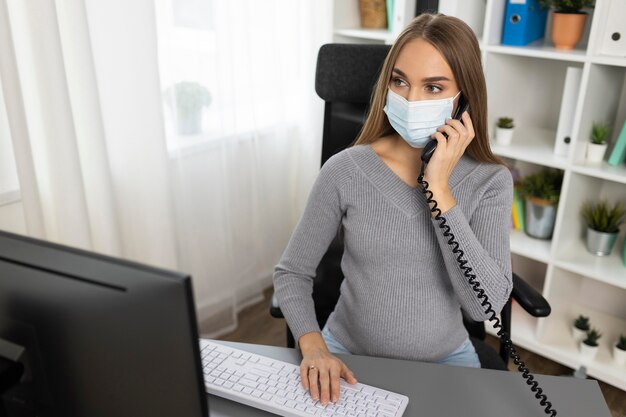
(567, 29)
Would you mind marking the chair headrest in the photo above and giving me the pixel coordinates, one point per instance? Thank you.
(348, 72)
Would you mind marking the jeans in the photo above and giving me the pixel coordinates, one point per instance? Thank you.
(464, 355)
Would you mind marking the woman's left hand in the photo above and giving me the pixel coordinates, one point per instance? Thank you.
(446, 156)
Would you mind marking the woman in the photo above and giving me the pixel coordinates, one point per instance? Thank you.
(403, 289)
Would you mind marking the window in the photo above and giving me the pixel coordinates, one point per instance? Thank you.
(219, 73)
(9, 184)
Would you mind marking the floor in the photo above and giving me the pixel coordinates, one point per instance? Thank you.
(257, 326)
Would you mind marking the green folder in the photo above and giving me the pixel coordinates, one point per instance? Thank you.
(618, 154)
(389, 14)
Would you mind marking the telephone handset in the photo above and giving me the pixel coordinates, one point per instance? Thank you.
(428, 151)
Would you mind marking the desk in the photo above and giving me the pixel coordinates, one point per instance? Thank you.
(442, 390)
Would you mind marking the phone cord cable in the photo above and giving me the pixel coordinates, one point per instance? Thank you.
(475, 285)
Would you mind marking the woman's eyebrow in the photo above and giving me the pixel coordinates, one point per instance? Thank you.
(424, 80)
(435, 79)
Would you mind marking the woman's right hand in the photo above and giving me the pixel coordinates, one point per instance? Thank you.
(320, 370)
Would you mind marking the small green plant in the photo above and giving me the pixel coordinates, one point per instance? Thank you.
(600, 133)
(582, 323)
(545, 185)
(505, 123)
(592, 338)
(621, 344)
(601, 217)
(567, 6)
(187, 97)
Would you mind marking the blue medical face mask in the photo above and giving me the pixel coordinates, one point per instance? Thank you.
(416, 121)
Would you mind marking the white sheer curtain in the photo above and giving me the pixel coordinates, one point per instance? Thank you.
(100, 99)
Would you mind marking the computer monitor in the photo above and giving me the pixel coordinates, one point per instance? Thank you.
(98, 336)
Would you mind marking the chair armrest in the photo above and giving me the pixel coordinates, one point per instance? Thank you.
(275, 310)
(529, 298)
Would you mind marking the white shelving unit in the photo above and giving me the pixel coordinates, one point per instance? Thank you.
(527, 83)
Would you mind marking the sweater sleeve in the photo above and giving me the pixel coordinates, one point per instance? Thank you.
(484, 239)
(318, 226)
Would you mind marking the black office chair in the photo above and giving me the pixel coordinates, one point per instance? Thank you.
(344, 79)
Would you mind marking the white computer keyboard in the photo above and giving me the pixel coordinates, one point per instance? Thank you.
(274, 386)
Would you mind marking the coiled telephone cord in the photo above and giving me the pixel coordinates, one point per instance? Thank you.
(471, 278)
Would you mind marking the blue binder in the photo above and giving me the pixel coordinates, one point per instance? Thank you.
(524, 22)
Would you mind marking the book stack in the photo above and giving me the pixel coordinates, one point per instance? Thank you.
(519, 219)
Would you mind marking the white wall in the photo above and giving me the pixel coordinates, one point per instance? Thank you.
(12, 218)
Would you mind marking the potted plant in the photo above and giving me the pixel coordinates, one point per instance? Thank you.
(504, 130)
(619, 351)
(598, 142)
(568, 21)
(187, 99)
(589, 346)
(580, 328)
(541, 192)
(603, 222)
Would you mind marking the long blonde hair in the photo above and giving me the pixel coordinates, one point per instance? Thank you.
(458, 45)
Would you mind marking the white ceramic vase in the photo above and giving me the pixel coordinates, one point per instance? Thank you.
(595, 153)
(619, 356)
(579, 335)
(588, 352)
(504, 136)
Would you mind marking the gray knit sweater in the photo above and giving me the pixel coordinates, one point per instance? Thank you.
(403, 289)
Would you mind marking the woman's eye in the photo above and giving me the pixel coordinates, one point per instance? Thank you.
(434, 89)
(398, 82)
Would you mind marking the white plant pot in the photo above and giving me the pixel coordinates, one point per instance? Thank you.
(579, 335)
(619, 356)
(595, 153)
(504, 136)
(588, 352)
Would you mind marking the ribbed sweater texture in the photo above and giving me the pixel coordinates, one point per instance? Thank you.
(403, 289)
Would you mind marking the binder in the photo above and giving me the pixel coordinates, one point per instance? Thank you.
(426, 6)
(613, 40)
(516, 217)
(571, 88)
(389, 4)
(519, 207)
(403, 12)
(471, 12)
(618, 154)
(524, 22)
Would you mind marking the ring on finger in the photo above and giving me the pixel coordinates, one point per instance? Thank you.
(312, 367)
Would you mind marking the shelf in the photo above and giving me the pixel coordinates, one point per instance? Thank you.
(559, 345)
(371, 34)
(524, 245)
(528, 83)
(603, 170)
(608, 269)
(609, 60)
(534, 145)
(538, 50)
